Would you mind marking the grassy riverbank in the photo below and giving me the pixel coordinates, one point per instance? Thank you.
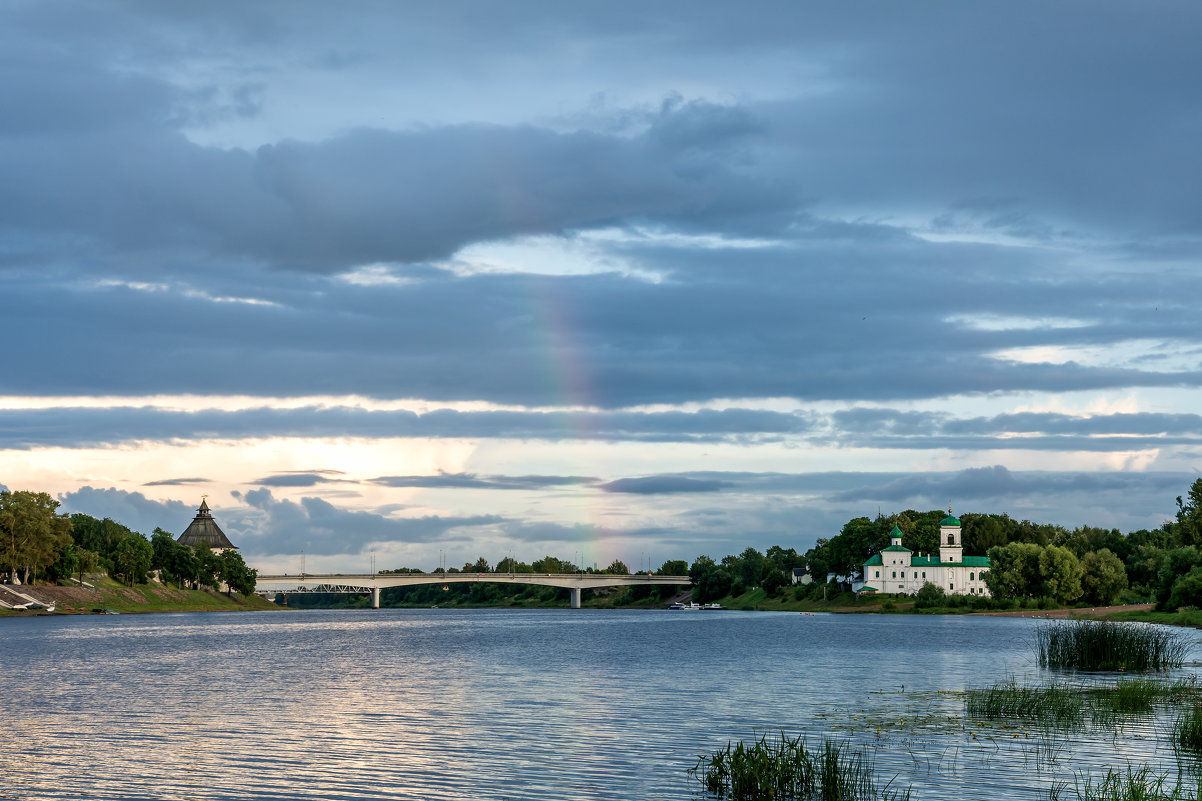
(847, 603)
(143, 598)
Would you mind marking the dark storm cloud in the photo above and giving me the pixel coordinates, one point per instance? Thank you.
(176, 482)
(296, 480)
(890, 428)
(316, 526)
(874, 122)
(74, 427)
(660, 485)
(131, 509)
(472, 481)
(1000, 487)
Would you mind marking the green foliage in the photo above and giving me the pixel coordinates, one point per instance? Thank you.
(1175, 564)
(1060, 572)
(1014, 570)
(982, 532)
(617, 567)
(1027, 570)
(1105, 645)
(930, 594)
(1052, 705)
(787, 769)
(1126, 784)
(774, 583)
(1186, 590)
(1187, 730)
(32, 534)
(1188, 529)
(132, 558)
(750, 566)
(1134, 695)
(710, 581)
(674, 567)
(235, 574)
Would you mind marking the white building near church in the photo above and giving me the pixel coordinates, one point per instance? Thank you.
(897, 571)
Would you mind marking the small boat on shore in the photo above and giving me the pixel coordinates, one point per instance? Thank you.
(712, 606)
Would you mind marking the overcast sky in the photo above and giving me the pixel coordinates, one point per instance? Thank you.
(434, 281)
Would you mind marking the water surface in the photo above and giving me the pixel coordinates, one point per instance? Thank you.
(510, 704)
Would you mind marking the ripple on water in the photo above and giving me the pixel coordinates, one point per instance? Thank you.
(514, 704)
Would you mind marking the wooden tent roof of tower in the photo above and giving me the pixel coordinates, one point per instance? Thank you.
(205, 531)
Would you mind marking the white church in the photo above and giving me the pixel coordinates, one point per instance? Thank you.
(897, 571)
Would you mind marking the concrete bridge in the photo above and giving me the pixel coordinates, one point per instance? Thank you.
(374, 582)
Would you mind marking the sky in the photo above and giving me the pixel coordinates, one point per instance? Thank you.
(408, 284)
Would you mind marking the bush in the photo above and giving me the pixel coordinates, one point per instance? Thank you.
(1186, 590)
(787, 769)
(929, 595)
(1105, 645)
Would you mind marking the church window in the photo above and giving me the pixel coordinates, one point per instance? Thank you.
(951, 539)
(951, 586)
(972, 576)
(894, 574)
(924, 574)
(878, 574)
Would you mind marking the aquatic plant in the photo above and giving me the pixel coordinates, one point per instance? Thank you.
(1187, 730)
(1106, 645)
(1052, 704)
(1132, 696)
(1131, 784)
(788, 769)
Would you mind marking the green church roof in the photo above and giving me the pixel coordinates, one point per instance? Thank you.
(949, 520)
(875, 559)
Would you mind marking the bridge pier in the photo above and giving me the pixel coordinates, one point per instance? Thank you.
(375, 597)
(575, 597)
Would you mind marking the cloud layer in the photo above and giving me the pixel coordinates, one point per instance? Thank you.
(598, 250)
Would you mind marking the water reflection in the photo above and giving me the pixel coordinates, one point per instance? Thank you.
(441, 704)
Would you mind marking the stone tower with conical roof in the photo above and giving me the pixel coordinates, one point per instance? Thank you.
(205, 531)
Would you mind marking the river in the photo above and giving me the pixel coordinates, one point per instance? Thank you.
(511, 704)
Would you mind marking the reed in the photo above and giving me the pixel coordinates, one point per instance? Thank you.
(1187, 730)
(1105, 645)
(1050, 705)
(1133, 696)
(788, 769)
(1131, 784)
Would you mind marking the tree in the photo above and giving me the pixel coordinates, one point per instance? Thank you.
(1188, 529)
(1060, 571)
(784, 559)
(235, 574)
(774, 582)
(617, 567)
(1103, 577)
(208, 566)
(1187, 590)
(132, 559)
(751, 567)
(673, 567)
(32, 534)
(930, 594)
(1176, 563)
(1014, 570)
(982, 532)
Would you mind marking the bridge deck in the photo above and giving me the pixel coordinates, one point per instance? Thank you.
(367, 581)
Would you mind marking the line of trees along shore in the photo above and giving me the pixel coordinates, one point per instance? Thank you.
(1029, 560)
(1086, 564)
(39, 543)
